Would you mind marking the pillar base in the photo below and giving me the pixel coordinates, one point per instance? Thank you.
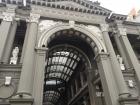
(17, 101)
(129, 101)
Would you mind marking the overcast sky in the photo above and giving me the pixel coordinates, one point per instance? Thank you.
(120, 6)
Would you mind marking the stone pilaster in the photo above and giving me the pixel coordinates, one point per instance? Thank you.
(39, 75)
(9, 43)
(4, 31)
(122, 88)
(129, 51)
(107, 79)
(26, 79)
(25, 88)
(91, 87)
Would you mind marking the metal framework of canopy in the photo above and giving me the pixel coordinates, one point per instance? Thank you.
(61, 63)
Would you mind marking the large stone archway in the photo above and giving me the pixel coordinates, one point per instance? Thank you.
(95, 41)
(94, 38)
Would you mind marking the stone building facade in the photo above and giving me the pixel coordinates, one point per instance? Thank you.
(67, 52)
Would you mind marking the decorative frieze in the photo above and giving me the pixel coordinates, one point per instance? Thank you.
(46, 24)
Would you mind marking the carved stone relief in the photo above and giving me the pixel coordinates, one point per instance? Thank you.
(6, 91)
(33, 18)
(122, 31)
(95, 30)
(8, 16)
(46, 24)
(104, 27)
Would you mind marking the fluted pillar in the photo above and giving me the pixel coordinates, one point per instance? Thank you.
(129, 51)
(27, 72)
(9, 43)
(122, 88)
(4, 31)
(39, 75)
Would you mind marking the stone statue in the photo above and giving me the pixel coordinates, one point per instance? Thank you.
(14, 58)
(131, 83)
(120, 60)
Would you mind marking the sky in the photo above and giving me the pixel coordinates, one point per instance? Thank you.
(120, 6)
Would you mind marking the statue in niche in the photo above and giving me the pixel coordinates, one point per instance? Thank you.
(120, 60)
(14, 58)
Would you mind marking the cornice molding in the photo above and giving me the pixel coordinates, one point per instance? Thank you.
(90, 7)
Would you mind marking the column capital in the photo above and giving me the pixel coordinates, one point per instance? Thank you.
(100, 56)
(8, 16)
(104, 27)
(34, 18)
(122, 31)
(41, 50)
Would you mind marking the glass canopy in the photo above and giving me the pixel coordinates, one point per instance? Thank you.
(61, 63)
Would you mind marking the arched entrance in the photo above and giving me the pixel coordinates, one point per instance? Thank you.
(72, 63)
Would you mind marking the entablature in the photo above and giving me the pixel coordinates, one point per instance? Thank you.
(132, 28)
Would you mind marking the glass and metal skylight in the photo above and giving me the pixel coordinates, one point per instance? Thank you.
(61, 64)
(62, 61)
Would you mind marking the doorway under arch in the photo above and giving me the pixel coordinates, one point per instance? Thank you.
(71, 69)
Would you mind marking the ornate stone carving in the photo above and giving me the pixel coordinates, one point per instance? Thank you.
(6, 91)
(8, 80)
(104, 27)
(71, 23)
(33, 18)
(46, 24)
(120, 60)
(8, 16)
(95, 30)
(122, 31)
(14, 57)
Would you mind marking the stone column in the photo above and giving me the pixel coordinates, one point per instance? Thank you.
(27, 74)
(91, 87)
(4, 31)
(129, 51)
(25, 43)
(122, 88)
(122, 52)
(107, 79)
(39, 75)
(9, 43)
